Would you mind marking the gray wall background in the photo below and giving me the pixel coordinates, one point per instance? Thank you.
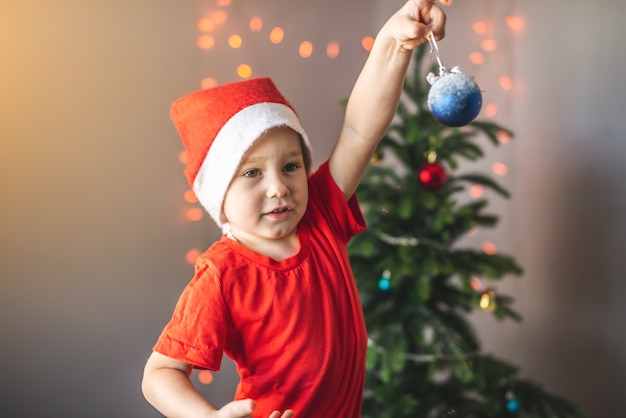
(92, 228)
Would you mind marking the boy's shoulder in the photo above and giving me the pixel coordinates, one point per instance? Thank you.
(214, 266)
(217, 256)
(228, 256)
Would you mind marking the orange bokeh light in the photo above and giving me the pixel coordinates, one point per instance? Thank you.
(256, 24)
(219, 17)
(480, 27)
(367, 43)
(332, 50)
(500, 169)
(206, 25)
(235, 41)
(515, 23)
(244, 71)
(190, 196)
(491, 110)
(208, 82)
(506, 83)
(206, 42)
(489, 45)
(503, 137)
(489, 248)
(222, 3)
(477, 58)
(475, 283)
(205, 377)
(476, 191)
(277, 35)
(182, 157)
(306, 49)
(445, 2)
(192, 255)
(194, 214)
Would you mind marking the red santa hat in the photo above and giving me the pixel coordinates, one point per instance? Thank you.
(218, 125)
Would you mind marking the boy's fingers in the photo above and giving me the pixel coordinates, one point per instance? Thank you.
(438, 23)
(287, 414)
(428, 16)
(242, 408)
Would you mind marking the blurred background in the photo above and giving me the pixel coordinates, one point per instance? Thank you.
(96, 229)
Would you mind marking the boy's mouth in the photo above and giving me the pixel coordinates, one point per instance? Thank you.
(279, 210)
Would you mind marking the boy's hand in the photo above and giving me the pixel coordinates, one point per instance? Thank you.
(244, 408)
(411, 25)
(236, 409)
(287, 414)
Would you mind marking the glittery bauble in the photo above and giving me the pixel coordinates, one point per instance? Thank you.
(455, 99)
(432, 176)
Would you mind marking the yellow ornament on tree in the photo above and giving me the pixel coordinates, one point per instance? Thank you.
(488, 300)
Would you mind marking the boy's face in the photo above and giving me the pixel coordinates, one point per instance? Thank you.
(268, 194)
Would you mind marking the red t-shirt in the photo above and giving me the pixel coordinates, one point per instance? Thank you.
(295, 327)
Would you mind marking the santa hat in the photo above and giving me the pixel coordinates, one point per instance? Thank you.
(218, 125)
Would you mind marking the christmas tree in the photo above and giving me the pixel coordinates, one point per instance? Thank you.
(418, 284)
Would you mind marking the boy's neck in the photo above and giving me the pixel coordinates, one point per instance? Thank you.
(277, 250)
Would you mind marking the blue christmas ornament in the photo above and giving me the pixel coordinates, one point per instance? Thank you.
(454, 98)
(513, 405)
(384, 283)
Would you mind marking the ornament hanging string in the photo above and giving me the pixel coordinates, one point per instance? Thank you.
(434, 50)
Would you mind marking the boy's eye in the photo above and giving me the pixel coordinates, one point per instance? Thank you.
(292, 167)
(252, 172)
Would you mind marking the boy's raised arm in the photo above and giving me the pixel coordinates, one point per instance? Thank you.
(376, 93)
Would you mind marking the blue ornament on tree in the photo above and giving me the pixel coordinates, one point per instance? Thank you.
(384, 283)
(513, 405)
(454, 98)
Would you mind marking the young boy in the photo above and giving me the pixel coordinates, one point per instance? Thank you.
(276, 293)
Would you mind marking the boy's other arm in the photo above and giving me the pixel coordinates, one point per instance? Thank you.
(376, 93)
(167, 387)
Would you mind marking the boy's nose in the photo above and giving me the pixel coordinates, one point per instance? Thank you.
(277, 189)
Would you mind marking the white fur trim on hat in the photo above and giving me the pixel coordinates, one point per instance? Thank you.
(231, 143)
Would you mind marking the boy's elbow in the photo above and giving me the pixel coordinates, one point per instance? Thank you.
(146, 384)
(149, 378)
(160, 370)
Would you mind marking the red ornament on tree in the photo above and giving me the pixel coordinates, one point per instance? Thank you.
(432, 176)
